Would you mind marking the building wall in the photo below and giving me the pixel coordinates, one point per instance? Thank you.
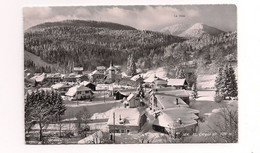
(81, 95)
(185, 130)
(134, 102)
(186, 100)
(123, 128)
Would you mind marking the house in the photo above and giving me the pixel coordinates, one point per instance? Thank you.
(162, 101)
(39, 78)
(80, 92)
(177, 121)
(138, 78)
(96, 76)
(101, 69)
(156, 82)
(125, 120)
(119, 95)
(53, 78)
(178, 83)
(78, 70)
(70, 77)
(61, 87)
(83, 77)
(90, 85)
(132, 101)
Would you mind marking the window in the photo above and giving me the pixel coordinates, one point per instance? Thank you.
(127, 131)
(122, 131)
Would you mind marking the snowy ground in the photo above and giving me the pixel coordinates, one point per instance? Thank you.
(206, 81)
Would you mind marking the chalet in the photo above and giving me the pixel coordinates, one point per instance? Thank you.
(80, 92)
(70, 77)
(90, 85)
(53, 78)
(156, 82)
(119, 95)
(178, 83)
(101, 69)
(39, 78)
(61, 87)
(83, 77)
(96, 76)
(132, 101)
(177, 121)
(138, 78)
(125, 120)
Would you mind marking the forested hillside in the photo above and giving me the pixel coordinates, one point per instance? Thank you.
(91, 43)
(208, 52)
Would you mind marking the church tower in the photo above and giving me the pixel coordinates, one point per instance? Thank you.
(111, 72)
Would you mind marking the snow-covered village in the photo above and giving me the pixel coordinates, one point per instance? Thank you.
(107, 82)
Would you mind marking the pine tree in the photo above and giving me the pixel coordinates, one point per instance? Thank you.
(41, 107)
(231, 82)
(226, 85)
(131, 67)
(218, 81)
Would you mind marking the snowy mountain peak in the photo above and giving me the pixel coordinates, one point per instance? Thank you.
(199, 29)
(175, 29)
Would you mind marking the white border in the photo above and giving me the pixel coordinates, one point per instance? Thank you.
(11, 108)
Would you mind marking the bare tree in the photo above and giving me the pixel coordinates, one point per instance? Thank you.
(226, 128)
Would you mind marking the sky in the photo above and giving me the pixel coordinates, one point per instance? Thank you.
(223, 17)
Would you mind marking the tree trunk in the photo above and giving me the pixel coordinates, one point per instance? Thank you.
(40, 131)
(60, 124)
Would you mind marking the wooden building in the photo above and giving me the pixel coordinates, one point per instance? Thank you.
(80, 92)
(125, 120)
(177, 122)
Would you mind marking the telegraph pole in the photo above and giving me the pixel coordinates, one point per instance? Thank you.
(114, 127)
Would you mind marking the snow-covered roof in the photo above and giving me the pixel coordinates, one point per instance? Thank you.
(101, 67)
(153, 78)
(130, 97)
(124, 75)
(96, 72)
(72, 91)
(176, 82)
(130, 116)
(38, 78)
(53, 75)
(60, 85)
(169, 101)
(78, 76)
(173, 91)
(85, 83)
(136, 77)
(93, 138)
(170, 117)
(126, 92)
(78, 68)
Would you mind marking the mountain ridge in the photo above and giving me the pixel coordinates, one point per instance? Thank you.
(199, 29)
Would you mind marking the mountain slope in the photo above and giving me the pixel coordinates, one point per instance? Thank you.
(78, 23)
(92, 43)
(175, 29)
(199, 29)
